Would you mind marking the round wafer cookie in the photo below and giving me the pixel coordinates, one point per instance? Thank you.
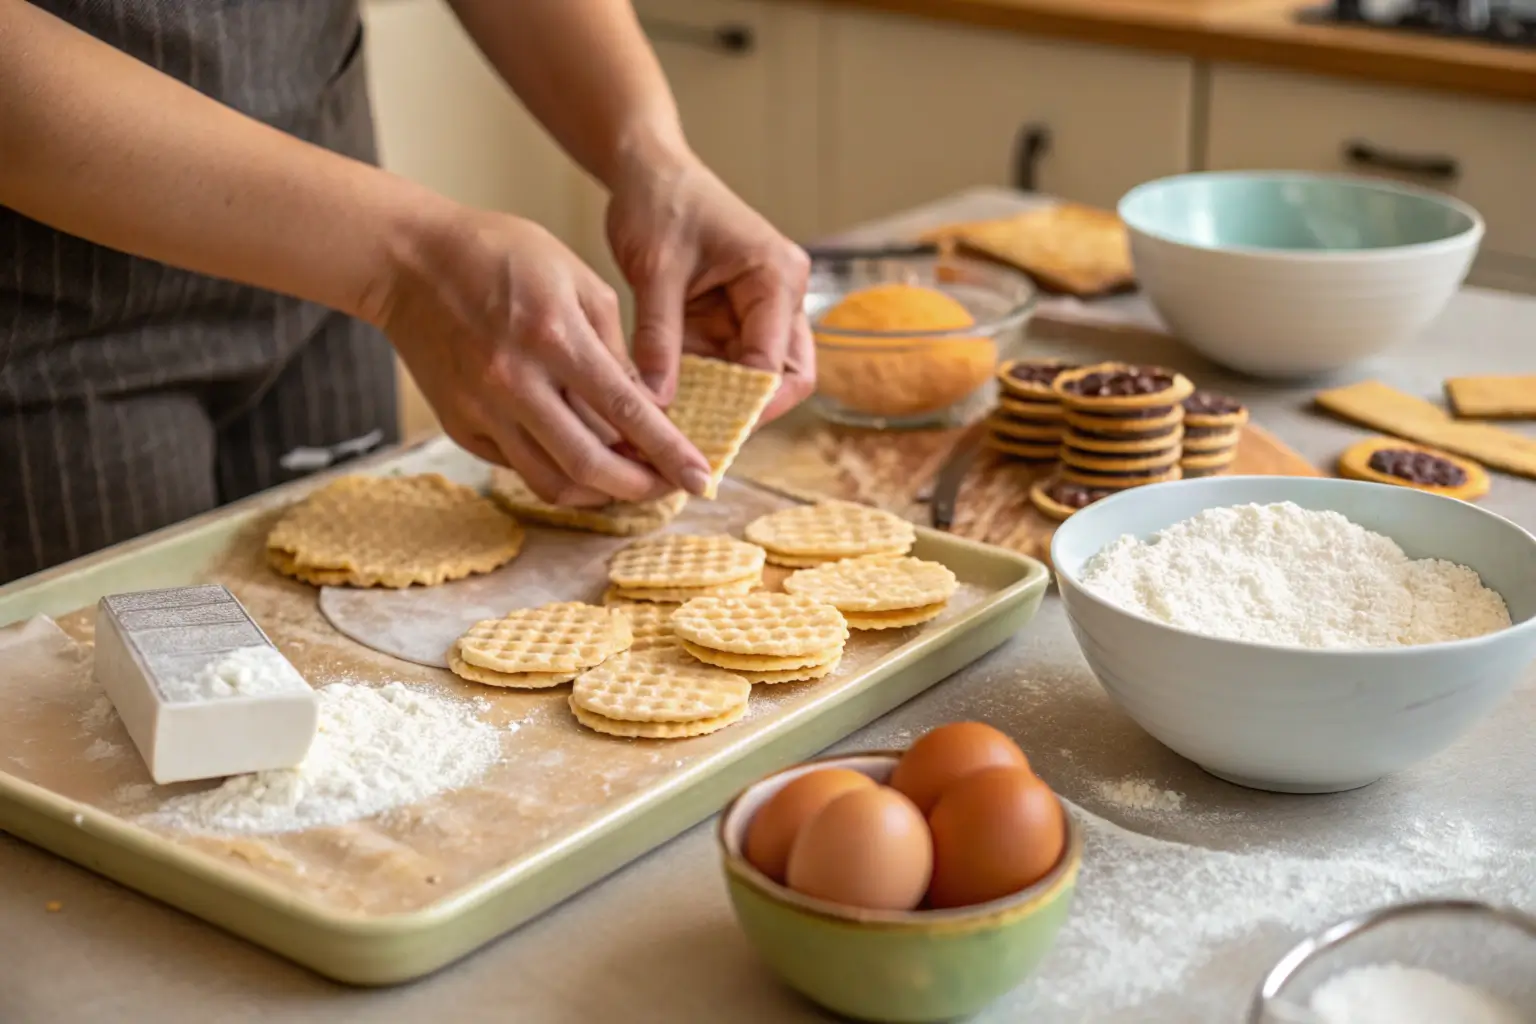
(792, 675)
(660, 685)
(680, 595)
(875, 585)
(761, 662)
(649, 624)
(566, 636)
(655, 730)
(1022, 430)
(1221, 440)
(841, 529)
(392, 531)
(1122, 445)
(780, 625)
(811, 561)
(1033, 411)
(506, 680)
(679, 560)
(1097, 423)
(619, 518)
(895, 619)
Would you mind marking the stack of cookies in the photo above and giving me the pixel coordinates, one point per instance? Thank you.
(763, 637)
(804, 536)
(677, 567)
(879, 592)
(1213, 425)
(537, 648)
(1027, 423)
(658, 694)
(1124, 425)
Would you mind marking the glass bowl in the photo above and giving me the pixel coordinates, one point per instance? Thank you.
(908, 380)
(1487, 947)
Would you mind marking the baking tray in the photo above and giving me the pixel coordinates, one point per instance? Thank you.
(242, 886)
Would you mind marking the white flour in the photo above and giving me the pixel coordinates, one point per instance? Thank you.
(243, 672)
(1148, 913)
(377, 749)
(1394, 994)
(101, 749)
(1137, 794)
(1281, 574)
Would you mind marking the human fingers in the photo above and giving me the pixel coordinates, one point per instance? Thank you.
(659, 300)
(771, 300)
(542, 475)
(799, 374)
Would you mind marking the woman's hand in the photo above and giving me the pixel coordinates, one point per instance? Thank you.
(710, 276)
(518, 346)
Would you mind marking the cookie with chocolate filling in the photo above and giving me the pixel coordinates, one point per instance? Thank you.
(1024, 430)
(1058, 499)
(1388, 460)
(1119, 481)
(1120, 462)
(1154, 421)
(1031, 379)
(1030, 452)
(1209, 410)
(1207, 463)
(1210, 444)
(1106, 389)
(1123, 444)
(1042, 411)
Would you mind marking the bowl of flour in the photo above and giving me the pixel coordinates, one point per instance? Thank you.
(1301, 635)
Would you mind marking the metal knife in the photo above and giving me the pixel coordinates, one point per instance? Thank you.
(946, 485)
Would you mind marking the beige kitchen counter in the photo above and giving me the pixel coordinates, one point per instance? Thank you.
(657, 943)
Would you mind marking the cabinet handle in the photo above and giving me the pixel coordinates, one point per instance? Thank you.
(1364, 154)
(1032, 143)
(731, 39)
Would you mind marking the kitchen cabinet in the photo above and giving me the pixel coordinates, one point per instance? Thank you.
(1482, 151)
(916, 108)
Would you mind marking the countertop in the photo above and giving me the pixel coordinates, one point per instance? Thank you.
(1180, 909)
(1250, 31)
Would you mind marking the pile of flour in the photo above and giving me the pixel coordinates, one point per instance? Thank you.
(378, 748)
(243, 672)
(1395, 994)
(1281, 574)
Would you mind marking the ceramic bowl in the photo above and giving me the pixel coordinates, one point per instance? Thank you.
(1288, 275)
(1293, 719)
(917, 966)
(916, 379)
(1481, 945)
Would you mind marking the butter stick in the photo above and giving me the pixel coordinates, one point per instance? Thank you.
(1390, 411)
(1510, 397)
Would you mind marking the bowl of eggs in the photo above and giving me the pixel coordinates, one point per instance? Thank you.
(903, 886)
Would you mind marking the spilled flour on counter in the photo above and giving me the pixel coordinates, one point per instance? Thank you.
(257, 671)
(1282, 574)
(1138, 794)
(378, 748)
(1395, 994)
(1148, 913)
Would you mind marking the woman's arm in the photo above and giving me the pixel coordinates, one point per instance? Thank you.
(586, 71)
(102, 146)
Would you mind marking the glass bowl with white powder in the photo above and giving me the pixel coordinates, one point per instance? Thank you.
(1302, 635)
(1429, 962)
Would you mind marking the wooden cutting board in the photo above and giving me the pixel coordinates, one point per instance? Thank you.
(895, 470)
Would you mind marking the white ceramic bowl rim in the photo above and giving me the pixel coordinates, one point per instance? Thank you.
(1470, 645)
(1473, 232)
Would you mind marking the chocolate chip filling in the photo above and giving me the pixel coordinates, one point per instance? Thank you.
(1417, 467)
(1074, 495)
(1205, 431)
(1126, 474)
(1120, 383)
(1128, 435)
(1036, 373)
(1084, 453)
(1132, 414)
(1209, 403)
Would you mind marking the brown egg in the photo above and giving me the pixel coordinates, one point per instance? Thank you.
(995, 832)
(868, 848)
(772, 831)
(949, 753)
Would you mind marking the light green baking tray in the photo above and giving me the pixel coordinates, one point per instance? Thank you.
(390, 949)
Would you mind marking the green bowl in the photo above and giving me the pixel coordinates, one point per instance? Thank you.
(907, 967)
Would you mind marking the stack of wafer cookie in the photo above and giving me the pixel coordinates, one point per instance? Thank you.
(878, 592)
(1124, 425)
(1028, 423)
(674, 568)
(763, 637)
(536, 648)
(1213, 426)
(804, 536)
(660, 693)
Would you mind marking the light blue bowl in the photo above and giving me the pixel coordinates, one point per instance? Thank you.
(1288, 275)
(1293, 719)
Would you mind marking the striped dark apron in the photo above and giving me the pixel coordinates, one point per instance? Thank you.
(132, 394)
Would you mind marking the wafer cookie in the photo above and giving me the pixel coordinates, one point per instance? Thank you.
(875, 585)
(681, 560)
(779, 625)
(716, 406)
(664, 684)
(619, 518)
(563, 637)
(830, 529)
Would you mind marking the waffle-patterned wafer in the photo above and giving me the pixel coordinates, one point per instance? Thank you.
(876, 584)
(895, 619)
(649, 624)
(384, 531)
(812, 561)
(716, 406)
(831, 529)
(678, 595)
(761, 662)
(780, 625)
(792, 675)
(619, 518)
(679, 560)
(507, 680)
(655, 730)
(566, 636)
(660, 685)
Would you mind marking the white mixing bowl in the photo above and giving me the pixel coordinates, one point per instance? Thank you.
(1289, 275)
(1299, 720)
